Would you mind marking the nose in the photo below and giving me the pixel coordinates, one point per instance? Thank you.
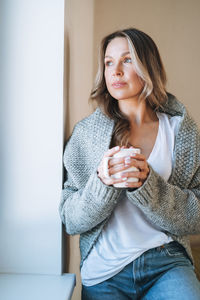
(118, 70)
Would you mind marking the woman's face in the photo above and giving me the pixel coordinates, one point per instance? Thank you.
(122, 81)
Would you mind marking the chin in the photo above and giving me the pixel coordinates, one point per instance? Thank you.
(119, 96)
(123, 98)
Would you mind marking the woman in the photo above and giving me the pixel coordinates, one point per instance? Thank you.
(134, 241)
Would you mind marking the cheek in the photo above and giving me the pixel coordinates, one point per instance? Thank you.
(137, 81)
(107, 78)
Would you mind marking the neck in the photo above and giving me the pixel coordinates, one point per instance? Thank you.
(137, 112)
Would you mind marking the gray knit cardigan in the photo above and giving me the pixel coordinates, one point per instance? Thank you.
(173, 205)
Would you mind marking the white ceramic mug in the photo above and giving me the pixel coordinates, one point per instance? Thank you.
(122, 153)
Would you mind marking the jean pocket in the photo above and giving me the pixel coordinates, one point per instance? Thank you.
(171, 252)
(175, 249)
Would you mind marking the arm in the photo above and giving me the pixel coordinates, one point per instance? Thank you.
(173, 209)
(86, 200)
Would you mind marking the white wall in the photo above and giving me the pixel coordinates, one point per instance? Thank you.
(31, 93)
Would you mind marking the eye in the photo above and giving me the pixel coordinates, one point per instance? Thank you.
(127, 60)
(108, 63)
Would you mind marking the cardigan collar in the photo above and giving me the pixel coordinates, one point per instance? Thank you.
(106, 125)
(172, 107)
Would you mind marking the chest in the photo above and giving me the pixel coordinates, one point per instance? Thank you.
(144, 137)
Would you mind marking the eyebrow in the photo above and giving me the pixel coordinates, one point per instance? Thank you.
(123, 54)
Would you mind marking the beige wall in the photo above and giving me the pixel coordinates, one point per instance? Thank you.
(78, 59)
(174, 26)
(78, 82)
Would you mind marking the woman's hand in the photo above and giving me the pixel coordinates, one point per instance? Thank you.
(138, 161)
(116, 165)
(101, 171)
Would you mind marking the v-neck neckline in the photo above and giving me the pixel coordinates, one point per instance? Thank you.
(157, 138)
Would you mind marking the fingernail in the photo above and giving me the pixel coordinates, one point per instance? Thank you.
(127, 160)
(117, 147)
(125, 178)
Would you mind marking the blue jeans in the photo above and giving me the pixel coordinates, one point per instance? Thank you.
(162, 273)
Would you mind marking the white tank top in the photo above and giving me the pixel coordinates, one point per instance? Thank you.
(128, 233)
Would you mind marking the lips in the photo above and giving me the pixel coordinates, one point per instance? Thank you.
(118, 84)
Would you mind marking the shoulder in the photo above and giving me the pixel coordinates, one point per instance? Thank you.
(174, 107)
(79, 134)
(93, 125)
(84, 125)
(188, 130)
(187, 142)
(97, 118)
(86, 135)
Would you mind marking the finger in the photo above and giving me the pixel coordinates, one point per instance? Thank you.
(133, 184)
(139, 164)
(123, 166)
(136, 174)
(117, 168)
(125, 160)
(112, 151)
(115, 161)
(120, 160)
(138, 156)
(112, 181)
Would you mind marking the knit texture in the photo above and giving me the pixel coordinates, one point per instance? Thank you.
(87, 202)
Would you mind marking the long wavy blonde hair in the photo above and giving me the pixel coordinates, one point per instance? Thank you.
(148, 66)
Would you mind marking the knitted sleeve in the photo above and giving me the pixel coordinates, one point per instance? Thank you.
(86, 201)
(173, 209)
(174, 206)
